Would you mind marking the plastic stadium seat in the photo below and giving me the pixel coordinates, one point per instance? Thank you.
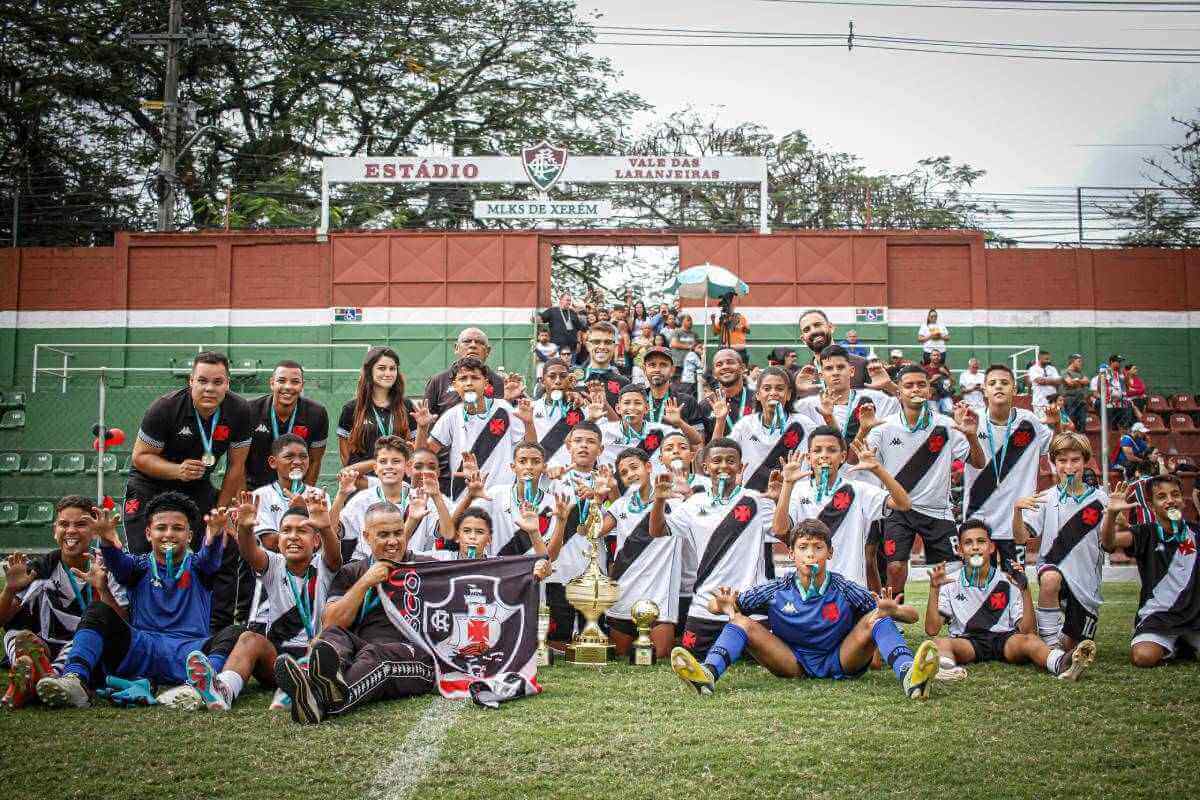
(108, 462)
(1184, 402)
(10, 463)
(38, 514)
(8, 513)
(127, 464)
(38, 463)
(13, 419)
(1153, 422)
(12, 400)
(70, 464)
(1158, 404)
(1182, 422)
(1093, 424)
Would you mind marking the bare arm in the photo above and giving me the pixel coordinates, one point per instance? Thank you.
(149, 461)
(248, 546)
(235, 476)
(315, 456)
(342, 611)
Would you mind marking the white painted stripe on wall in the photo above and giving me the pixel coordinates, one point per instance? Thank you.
(841, 316)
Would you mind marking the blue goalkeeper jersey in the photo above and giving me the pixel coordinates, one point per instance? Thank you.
(165, 605)
(816, 625)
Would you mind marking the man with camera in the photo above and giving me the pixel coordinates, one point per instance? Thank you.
(732, 327)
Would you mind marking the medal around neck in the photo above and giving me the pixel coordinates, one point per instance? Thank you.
(645, 614)
(208, 460)
(556, 396)
(592, 594)
(470, 398)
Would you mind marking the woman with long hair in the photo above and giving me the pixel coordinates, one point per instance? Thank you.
(379, 408)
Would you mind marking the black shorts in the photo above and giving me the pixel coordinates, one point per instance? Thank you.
(1078, 622)
(685, 605)
(989, 646)
(624, 626)
(901, 528)
(701, 634)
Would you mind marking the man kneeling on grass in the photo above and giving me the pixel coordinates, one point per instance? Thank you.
(991, 614)
(170, 592)
(821, 625)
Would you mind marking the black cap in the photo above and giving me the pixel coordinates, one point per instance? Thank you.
(1116, 357)
(657, 351)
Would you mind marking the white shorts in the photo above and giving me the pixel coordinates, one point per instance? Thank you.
(1168, 642)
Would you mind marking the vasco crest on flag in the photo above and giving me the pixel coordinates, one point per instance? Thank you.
(544, 164)
(477, 620)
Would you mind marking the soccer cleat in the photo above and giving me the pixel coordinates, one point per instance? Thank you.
(1081, 658)
(20, 686)
(280, 701)
(202, 678)
(924, 668)
(950, 674)
(292, 679)
(63, 692)
(692, 672)
(184, 697)
(325, 672)
(28, 643)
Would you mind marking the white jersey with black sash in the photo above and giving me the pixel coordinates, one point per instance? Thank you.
(572, 559)
(52, 604)
(1069, 527)
(1169, 604)
(490, 436)
(272, 503)
(996, 607)
(846, 414)
(763, 445)
(728, 539)
(294, 602)
(617, 437)
(1013, 450)
(553, 422)
(698, 484)
(848, 507)
(354, 515)
(503, 503)
(644, 567)
(919, 457)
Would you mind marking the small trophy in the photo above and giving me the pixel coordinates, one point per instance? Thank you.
(544, 656)
(645, 614)
(592, 593)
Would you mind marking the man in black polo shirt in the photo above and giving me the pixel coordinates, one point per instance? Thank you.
(565, 326)
(439, 391)
(658, 366)
(285, 410)
(602, 348)
(730, 373)
(182, 436)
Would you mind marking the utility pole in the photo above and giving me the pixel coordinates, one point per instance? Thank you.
(166, 157)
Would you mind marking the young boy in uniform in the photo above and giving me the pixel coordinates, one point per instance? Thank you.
(44, 598)
(553, 415)
(634, 430)
(990, 614)
(821, 625)
(506, 503)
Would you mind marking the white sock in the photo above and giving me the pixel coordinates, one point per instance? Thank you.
(1050, 624)
(1054, 661)
(233, 684)
(947, 662)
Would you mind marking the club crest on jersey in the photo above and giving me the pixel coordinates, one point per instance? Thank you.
(574, 416)
(1090, 516)
(301, 431)
(472, 629)
(997, 600)
(936, 443)
(498, 426)
(1022, 438)
(889, 547)
(791, 440)
(841, 499)
(742, 513)
(1187, 547)
(830, 612)
(544, 164)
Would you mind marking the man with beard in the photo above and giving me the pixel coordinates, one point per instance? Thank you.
(816, 331)
(657, 365)
(732, 401)
(602, 348)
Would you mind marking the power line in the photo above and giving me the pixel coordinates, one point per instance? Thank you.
(1049, 8)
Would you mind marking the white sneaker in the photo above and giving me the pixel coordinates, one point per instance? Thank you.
(281, 701)
(64, 692)
(951, 674)
(183, 697)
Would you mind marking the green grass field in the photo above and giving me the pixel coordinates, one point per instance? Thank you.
(625, 733)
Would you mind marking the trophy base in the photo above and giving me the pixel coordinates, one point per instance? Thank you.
(590, 653)
(545, 657)
(643, 656)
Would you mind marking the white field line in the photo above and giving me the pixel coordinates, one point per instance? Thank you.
(416, 756)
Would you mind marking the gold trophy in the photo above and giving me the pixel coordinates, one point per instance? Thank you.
(645, 614)
(544, 656)
(592, 593)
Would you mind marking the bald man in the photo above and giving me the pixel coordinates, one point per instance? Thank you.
(440, 394)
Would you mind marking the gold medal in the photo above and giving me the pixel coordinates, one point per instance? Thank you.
(208, 460)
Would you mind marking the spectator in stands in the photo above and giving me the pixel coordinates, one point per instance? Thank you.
(1043, 380)
(1136, 387)
(285, 410)
(667, 329)
(1111, 377)
(853, 346)
(1135, 455)
(933, 336)
(544, 349)
(565, 325)
(970, 383)
(1075, 392)
(182, 437)
(641, 343)
(941, 384)
(623, 360)
(439, 391)
(816, 331)
(379, 408)
(693, 367)
(638, 317)
(732, 328)
(896, 360)
(682, 342)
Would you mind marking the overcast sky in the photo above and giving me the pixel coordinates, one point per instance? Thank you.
(1022, 121)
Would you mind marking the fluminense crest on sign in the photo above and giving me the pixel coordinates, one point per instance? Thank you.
(544, 164)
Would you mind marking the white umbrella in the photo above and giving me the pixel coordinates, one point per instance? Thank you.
(708, 280)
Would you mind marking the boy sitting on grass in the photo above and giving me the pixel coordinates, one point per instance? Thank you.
(990, 614)
(820, 625)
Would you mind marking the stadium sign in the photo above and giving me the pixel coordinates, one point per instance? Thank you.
(543, 165)
(542, 209)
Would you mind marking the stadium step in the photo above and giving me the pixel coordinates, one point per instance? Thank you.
(10, 463)
(38, 463)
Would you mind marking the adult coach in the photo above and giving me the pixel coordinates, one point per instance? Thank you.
(816, 331)
(439, 391)
(179, 442)
(285, 410)
(565, 327)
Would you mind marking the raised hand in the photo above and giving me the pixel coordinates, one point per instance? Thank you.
(1030, 503)
(563, 503)
(966, 421)
(469, 462)
(806, 378)
(106, 526)
(542, 569)
(245, 507)
(527, 519)
(866, 416)
(868, 461)
(724, 601)
(887, 604)
(664, 487)
(514, 386)
(422, 416)
(377, 573)
(1016, 573)
(556, 472)
(418, 503)
(774, 485)
(720, 404)
(1119, 500)
(215, 522)
(318, 508)
(671, 413)
(347, 480)
(18, 572)
(96, 575)
(793, 467)
(878, 376)
(826, 405)
(937, 576)
(525, 410)
(476, 483)
(605, 483)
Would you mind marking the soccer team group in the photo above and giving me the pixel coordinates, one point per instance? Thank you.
(267, 576)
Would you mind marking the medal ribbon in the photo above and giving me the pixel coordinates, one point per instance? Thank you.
(187, 559)
(778, 420)
(206, 437)
(384, 430)
(998, 463)
(487, 409)
(75, 588)
(729, 420)
(923, 420)
(851, 402)
(291, 420)
(304, 595)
